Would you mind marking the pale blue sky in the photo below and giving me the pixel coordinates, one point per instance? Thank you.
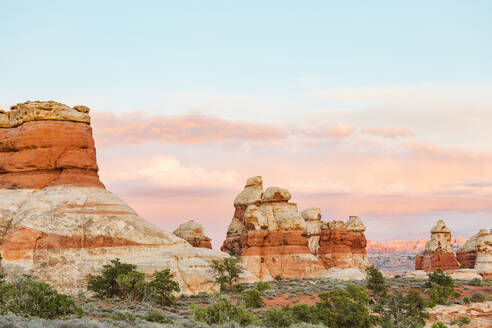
(381, 108)
(129, 51)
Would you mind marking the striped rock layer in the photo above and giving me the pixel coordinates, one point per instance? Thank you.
(274, 240)
(58, 222)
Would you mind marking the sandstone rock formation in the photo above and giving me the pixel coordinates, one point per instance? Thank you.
(272, 239)
(192, 232)
(438, 252)
(47, 144)
(269, 234)
(476, 253)
(58, 222)
(342, 245)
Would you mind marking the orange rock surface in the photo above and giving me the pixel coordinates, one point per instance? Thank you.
(38, 154)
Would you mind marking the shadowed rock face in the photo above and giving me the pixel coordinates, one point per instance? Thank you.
(272, 239)
(438, 253)
(58, 222)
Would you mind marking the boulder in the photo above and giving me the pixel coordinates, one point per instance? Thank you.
(192, 232)
(57, 220)
(464, 274)
(438, 253)
(417, 274)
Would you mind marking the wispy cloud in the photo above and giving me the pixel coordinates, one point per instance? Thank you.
(190, 128)
(387, 132)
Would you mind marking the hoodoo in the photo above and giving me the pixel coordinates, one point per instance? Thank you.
(57, 220)
(192, 232)
(438, 253)
(476, 253)
(273, 239)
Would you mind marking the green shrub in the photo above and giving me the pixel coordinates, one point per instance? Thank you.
(156, 316)
(345, 308)
(438, 325)
(461, 321)
(440, 287)
(106, 284)
(400, 310)
(475, 282)
(222, 312)
(375, 281)
(26, 297)
(122, 316)
(438, 277)
(466, 300)
(226, 271)
(303, 313)
(252, 299)
(278, 278)
(278, 318)
(478, 297)
(261, 286)
(132, 286)
(162, 287)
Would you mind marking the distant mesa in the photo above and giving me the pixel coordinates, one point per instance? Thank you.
(274, 240)
(192, 232)
(59, 223)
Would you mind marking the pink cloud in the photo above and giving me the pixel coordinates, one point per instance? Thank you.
(387, 132)
(110, 129)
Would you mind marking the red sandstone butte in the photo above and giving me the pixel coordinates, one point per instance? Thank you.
(438, 253)
(40, 149)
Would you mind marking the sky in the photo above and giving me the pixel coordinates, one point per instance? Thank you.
(380, 109)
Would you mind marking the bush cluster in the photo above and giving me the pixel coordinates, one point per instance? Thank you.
(223, 312)
(26, 297)
(338, 309)
(440, 287)
(122, 280)
(395, 309)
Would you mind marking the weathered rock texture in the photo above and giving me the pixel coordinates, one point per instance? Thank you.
(476, 253)
(438, 253)
(58, 222)
(192, 232)
(273, 240)
(47, 144)
(343, 245)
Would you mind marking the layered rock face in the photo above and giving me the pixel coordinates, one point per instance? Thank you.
(58, 222)
(343, 245)
(269, 235)
(47, 144)
(476, 253)
(438, 253)
(273, 240)
(192, 232)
